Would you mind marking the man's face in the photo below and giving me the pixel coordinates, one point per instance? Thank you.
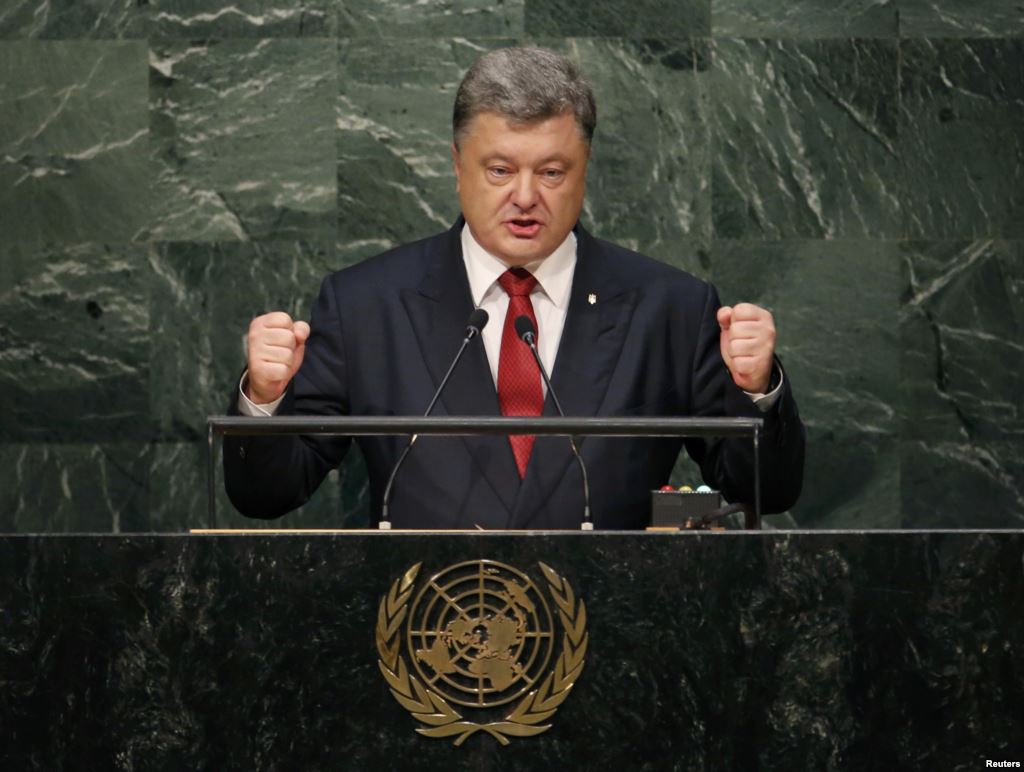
(521, 186)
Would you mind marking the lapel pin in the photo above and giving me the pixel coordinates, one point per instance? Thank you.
(591, 298)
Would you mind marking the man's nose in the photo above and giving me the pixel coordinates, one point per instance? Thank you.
(524, 193)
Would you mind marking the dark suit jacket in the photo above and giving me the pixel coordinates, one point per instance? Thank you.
(384, 332)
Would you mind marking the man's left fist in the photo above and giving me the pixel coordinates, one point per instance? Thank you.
(748, 345)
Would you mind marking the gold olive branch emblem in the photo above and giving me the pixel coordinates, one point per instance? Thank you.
(432, 709)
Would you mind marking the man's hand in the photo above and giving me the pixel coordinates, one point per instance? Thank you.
(748, 345)
(276, 346)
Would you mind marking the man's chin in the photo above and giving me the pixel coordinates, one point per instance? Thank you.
(521, 251)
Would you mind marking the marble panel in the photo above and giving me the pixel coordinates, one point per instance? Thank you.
(167, 19)
(395, 179)
(72, 19)
(961, 484)
(805, 139)
(243, 138)
(619, 18)
(74, 335)
(959, 19)
(649, 175)
(962, 331)
(961, 144)
(430, 18)
(836, 306)
(73, 157)
(203, 297)
(805, 18)
(178, 497)
(201, 19)
(649, 180)
(73, 488)
(962, 339)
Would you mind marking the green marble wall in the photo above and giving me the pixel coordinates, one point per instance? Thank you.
(170, 168)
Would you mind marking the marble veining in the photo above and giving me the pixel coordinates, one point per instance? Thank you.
(74, 341)
(72, 19)
(806, 19)
(197, 19)
(637, 19)
(962, 106)
(651, 167)
(243, 140)
(430, 18)
(57, 487)
(955, 19)
(393, 116)
(961, 328)
(73, 142)
(805, 135)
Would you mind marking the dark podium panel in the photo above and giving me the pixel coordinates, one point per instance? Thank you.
(706, 651)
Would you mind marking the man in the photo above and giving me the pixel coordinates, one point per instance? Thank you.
(622, 335)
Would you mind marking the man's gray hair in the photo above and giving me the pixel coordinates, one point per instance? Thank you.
(525, 85)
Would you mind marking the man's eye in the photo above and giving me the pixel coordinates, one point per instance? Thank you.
(499, 171)
(553, 174)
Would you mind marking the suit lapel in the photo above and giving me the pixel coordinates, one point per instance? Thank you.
(588, 351)
(438, 311)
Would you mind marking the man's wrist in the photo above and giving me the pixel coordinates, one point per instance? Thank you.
(766, 399)
(251, 407)
(258, 399)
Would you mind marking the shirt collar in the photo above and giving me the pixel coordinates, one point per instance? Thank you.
(553, 273)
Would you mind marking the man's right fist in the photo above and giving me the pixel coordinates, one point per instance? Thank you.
(276, 345)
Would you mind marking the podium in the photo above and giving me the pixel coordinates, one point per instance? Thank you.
(570, 428)
(704, 651)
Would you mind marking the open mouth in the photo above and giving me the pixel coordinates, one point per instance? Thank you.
(523, 227)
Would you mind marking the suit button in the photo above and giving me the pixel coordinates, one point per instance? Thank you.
(241, 452)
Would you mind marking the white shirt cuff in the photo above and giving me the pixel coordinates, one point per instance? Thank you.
(765, 402)
(247, 407)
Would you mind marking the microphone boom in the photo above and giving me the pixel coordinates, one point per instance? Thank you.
(474, 326)
(528, 334)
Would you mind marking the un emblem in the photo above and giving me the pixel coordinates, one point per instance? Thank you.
(481, 635)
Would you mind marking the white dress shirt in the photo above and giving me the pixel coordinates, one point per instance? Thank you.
(550, 299)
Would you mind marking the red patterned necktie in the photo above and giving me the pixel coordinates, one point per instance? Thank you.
(519, 389)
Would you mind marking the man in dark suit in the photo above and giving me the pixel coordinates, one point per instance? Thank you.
(621, 333)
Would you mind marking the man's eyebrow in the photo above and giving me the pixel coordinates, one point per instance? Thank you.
(559, 157)
(554, 157)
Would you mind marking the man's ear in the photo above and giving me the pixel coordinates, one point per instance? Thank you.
(456, 163)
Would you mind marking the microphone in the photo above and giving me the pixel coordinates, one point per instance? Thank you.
(526, 332)
(474, 326)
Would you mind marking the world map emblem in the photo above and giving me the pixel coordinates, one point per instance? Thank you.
(478, 647)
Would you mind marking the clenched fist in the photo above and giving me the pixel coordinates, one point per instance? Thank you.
(748, 345)
(276, 345)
